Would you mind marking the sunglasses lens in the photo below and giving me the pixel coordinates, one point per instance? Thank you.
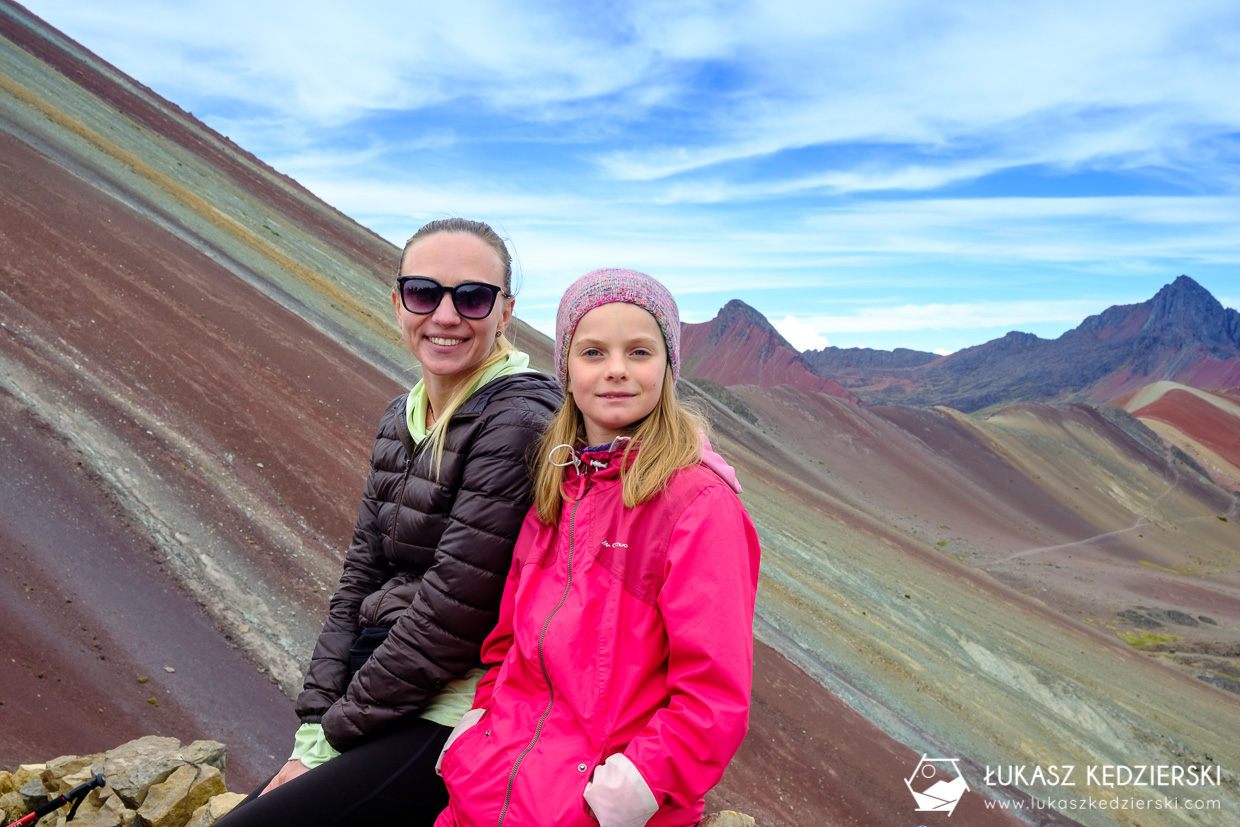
(421, 295)
(474, 301)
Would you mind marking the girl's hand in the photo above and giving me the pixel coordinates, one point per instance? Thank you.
(286, 774)
(617, 795)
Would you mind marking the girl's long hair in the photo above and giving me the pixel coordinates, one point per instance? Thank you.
(668, 439)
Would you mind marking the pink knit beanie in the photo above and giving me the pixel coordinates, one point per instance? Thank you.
(604, 287)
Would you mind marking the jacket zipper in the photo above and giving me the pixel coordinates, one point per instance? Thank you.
(542, 637)
(400, 498)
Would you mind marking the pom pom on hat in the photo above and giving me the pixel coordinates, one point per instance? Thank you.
(600, 287)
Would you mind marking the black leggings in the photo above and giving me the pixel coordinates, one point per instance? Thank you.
(388, 780)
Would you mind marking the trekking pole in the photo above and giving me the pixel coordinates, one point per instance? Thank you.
(76, 795)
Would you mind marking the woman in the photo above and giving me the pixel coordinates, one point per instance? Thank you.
(397, 662)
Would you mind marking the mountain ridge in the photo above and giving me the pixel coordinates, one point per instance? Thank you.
(1180, 334)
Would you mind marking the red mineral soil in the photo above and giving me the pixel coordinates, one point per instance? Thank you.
(1209, 420)
(102, 642)
(134, 362)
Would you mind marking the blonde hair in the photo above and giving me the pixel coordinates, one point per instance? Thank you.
(502, 347)
(439, 431)
(670, 438)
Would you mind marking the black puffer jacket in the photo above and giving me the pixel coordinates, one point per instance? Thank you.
(429, 558)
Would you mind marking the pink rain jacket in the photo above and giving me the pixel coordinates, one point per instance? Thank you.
(622, 660)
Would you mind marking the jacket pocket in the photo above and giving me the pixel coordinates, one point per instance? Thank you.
(468, 723)
(368, 640)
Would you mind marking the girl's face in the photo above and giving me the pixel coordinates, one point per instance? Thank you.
(616, 362)
(447, 344)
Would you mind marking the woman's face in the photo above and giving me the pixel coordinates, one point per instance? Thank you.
(447, 344)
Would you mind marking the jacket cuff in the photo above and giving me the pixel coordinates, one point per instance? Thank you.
(310, 746)
(618, 795)
(467, 721)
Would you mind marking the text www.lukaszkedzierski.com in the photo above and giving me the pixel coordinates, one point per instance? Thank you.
(1091, 803)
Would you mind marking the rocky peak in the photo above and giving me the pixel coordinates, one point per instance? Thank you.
(736, 314)
(1186, 309)
(1018, 340)
(741, 347)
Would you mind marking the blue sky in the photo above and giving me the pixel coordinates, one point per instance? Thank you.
(866, 174)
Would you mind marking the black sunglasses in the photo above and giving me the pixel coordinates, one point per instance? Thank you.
(472, 299)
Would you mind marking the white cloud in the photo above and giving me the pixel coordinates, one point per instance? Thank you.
(1204, 229)
(802, 336)
(975, 315)
(739, 144)
(328, 66)
(1047, 82)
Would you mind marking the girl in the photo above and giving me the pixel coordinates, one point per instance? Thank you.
(397, 662)
(619, 673)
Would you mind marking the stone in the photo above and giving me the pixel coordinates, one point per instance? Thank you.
(66, 783)
(131, 768)
(215, 809)
(25, 772)
(170, 803)
(34, 793)
(88, 811)
(67, 765)
(727, 818)
(113, 813)
(1138, 619)
(6, 782)
(13, 804)
(133, 783)
(102, 818)
(211, 753)
(146, 764)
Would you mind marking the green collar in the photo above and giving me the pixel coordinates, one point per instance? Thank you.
(415, 407)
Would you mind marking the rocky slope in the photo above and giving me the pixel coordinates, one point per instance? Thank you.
(988, 586)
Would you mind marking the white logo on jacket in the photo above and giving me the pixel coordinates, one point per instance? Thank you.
(615, 545)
